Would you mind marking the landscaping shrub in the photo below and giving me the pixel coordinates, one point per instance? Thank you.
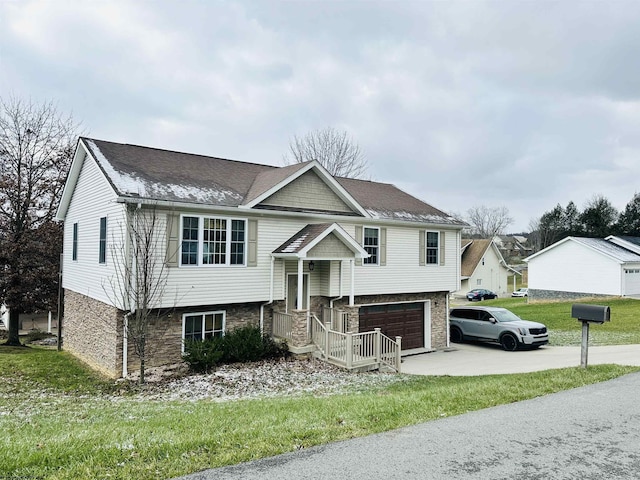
(36, 335)
(203, 356)
(244, 344)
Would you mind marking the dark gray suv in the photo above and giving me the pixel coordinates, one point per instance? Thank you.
(495, 324)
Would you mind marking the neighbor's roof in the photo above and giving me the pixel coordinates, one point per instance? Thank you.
(608, 248)
(600, 245)
(164, 175)
(472, 255)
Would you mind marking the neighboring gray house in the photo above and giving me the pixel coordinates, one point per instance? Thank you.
(243, 243)
(578, 267)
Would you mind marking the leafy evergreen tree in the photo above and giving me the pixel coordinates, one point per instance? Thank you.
(598, 217)
(629, 220)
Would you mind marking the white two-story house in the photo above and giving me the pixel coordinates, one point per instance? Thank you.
(243, 243)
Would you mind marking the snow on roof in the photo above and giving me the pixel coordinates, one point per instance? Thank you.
(609, 248)
(165, 175)
(413, 216)
(295, 244)
(129, 184)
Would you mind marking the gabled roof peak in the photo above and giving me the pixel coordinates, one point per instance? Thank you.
(161, 175)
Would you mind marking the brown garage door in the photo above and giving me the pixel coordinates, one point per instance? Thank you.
(405, 320)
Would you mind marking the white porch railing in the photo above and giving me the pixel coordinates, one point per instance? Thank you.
(282, 325)
(356, 350)
(338, 318)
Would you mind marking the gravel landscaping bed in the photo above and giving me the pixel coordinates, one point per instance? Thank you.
(259, 379)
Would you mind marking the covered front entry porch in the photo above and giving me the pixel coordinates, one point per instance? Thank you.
(318, 265)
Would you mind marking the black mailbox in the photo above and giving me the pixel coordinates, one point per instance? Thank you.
(591, 313)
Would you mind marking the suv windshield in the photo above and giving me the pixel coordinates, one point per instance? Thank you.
(505, 316)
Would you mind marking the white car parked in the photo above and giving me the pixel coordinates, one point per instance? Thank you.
(521, 292)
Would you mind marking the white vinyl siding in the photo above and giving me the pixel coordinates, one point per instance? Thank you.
(403, 272)
(571, 267)
(93, 199)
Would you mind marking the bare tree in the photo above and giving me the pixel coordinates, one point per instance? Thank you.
(488, 222)
(140, 278)
(36, 146)
(334, 149)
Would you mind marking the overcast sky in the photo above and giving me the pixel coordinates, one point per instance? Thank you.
(505, 103)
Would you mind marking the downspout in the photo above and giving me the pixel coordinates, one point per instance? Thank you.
(125, 341)
(270, 295)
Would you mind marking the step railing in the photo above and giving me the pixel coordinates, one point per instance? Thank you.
(356, 350)
(339, 319)
(283, 325)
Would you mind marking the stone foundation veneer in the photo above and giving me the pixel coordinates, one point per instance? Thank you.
(535, 294)
(93, 332)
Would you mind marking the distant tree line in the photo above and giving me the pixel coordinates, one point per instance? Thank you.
(598, 219)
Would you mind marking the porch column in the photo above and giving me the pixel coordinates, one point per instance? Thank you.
(353, 280)
(300, 296)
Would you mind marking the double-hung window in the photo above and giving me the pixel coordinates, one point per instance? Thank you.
(372, 245)
(433, 248)
(213, 241)
(200, 326)
(102, 247)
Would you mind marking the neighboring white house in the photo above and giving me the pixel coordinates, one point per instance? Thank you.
(245, 244)
(577, 267)
(482, 266)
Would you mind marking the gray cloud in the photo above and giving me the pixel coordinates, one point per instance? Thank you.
(523, 104)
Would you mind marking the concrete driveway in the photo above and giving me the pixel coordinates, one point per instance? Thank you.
(465, 359)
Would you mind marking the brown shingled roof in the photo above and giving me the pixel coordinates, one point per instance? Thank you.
(303, 238)
(472, 255)
(143, 172)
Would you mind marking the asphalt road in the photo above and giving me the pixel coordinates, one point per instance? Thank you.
(586, 433)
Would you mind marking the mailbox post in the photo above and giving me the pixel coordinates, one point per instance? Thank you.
(588, 314)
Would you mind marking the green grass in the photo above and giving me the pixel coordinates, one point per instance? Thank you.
(57, 421)
(624, 327)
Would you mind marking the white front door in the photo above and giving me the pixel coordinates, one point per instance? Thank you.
(292, 292)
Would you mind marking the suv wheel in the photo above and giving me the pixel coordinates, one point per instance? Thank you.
(509, 342)
(455, 335)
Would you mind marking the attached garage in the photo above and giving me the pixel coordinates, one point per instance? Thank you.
(406, 320)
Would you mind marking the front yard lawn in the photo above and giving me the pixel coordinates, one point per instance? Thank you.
(59, 420)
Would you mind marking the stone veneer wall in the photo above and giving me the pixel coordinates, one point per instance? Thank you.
(438, 311)
(559, 295)
(165, 343)
(92, 331)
